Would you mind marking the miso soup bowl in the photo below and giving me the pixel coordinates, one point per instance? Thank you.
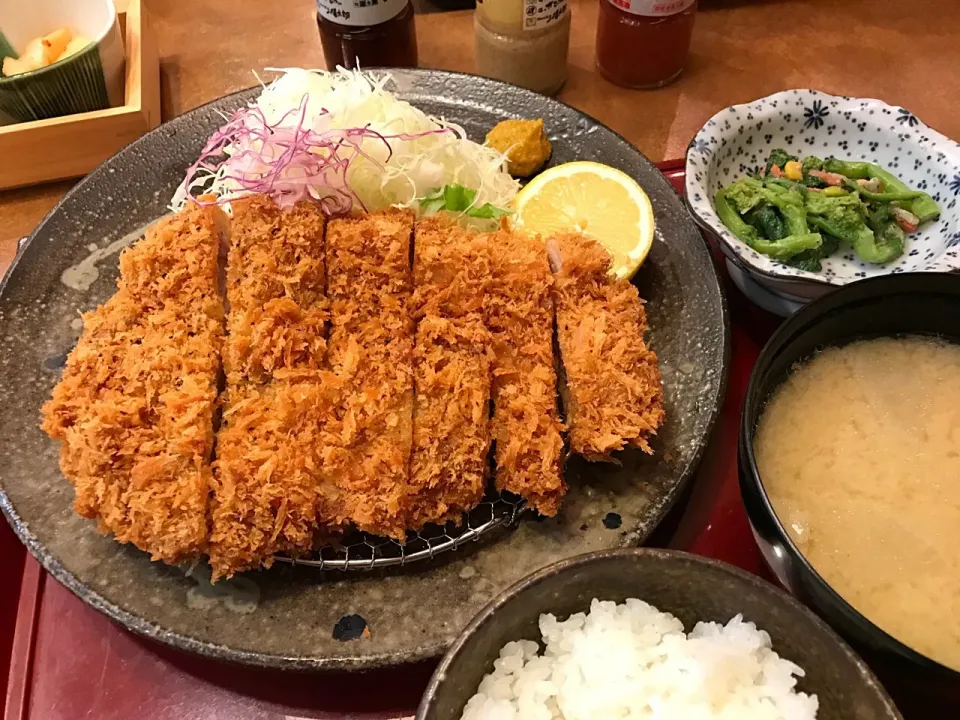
(903, 304)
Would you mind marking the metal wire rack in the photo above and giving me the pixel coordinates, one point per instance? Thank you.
(362, 551)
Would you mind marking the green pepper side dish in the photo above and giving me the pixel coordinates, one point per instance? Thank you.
(801, 212)
(923, 206)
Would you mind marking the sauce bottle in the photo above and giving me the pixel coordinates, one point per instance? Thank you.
(367, 33)
(523, 42)
(644, 43)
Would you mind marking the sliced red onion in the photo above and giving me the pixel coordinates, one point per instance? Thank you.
(286, 160)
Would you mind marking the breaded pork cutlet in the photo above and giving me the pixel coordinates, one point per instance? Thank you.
(276, 285)
(135, 405)
(612, 394)
(269, 482)
(371, 349)
(518, 311)
(268, 487)
(451, 433)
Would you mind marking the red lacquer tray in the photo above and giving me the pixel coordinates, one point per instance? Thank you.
(70, 662)
(12, 556)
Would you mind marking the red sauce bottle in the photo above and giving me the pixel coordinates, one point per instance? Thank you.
(644, 43)
(367, 33)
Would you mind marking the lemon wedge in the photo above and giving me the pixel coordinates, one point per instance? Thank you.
(597, 200)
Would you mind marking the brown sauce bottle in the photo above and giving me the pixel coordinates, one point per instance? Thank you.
(367, 33)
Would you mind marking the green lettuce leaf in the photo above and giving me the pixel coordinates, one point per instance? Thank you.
(459, 199)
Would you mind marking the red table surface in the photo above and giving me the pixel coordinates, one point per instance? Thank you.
(69, 661)
(12, 556)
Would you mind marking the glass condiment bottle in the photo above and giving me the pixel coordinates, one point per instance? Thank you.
(454, 4)
(523, 42)
(367, 33)
(644, 43)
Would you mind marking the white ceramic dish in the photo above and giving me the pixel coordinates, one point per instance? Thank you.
(92, 79)
(773, 302)
(737, 141)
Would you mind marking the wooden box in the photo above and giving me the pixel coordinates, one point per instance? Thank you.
(73, 145)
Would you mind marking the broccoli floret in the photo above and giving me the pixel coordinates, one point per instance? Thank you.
(745, 194)
(789, 201)
(834, 206)
(778, 157)
(879, 215)
(781, 249)
(839, 215)
(885, 227)
(842, 216)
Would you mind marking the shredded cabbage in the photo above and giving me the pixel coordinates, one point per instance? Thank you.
(342, 139)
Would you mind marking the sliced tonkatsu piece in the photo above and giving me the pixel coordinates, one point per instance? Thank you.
(269, 487)
(135, 405)
(612, 394)
(451, 429)
(371, 349)
(276, 285)
(269, 482)
(370, 283)
(518, 311)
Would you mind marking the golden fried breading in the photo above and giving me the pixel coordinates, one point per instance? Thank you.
(371, 349)
(134, 407)
(451, 269)
(358, 388)
(518, 311)
(276, 284)
(268, 485)
(369, 284)
(451, 433)
(613, 397)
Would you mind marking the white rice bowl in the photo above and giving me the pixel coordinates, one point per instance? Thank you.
(632, 661)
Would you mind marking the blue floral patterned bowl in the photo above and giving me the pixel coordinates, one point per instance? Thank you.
(737, 140)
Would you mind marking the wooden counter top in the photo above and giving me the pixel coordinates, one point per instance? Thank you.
(905, 53)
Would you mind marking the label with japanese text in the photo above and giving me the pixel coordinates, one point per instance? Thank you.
(538, 14)
(653, 8)
(358, 13)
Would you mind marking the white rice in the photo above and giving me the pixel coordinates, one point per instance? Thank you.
(631, 661)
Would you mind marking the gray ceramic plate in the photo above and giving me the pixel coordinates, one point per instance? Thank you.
(295, 617)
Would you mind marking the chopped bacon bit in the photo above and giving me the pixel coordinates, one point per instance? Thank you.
(833, 179)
